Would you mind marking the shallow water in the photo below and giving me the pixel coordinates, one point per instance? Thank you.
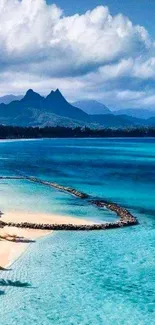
(105, 277)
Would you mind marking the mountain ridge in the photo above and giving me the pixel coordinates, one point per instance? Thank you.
(91, 106)
(52, 110)
(32, 106)
(135, 112)
(7, 99)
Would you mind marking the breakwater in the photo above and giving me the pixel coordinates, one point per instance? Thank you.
(59, 187)
(72, 227)
(125, 217)
(12, 177)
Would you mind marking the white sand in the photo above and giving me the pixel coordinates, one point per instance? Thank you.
(12, 247)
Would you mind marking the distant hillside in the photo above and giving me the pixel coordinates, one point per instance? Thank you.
(92, 107)
(9, 98)
(151, 121)
(52, 110)
(135, 112)
(110, 120)
(34, 109)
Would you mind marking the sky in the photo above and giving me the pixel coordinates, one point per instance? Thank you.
(90, 49)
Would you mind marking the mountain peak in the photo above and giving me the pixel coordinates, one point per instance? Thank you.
(56, 103)
(55, 96)
(30, 91)
(52, 92)
(31, 95)
(59, 96)
(32, 99)
(91, 106)
(58, 91)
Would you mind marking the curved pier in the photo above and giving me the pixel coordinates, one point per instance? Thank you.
(126, 218)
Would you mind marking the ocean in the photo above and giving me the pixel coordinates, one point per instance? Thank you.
(104, 277)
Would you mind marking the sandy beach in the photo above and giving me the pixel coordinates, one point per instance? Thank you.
(14, 241)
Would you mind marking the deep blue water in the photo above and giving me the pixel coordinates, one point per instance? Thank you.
(105, 277)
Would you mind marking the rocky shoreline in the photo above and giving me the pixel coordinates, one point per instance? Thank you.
(126, 218)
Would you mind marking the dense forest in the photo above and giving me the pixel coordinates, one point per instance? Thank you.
(13, 132)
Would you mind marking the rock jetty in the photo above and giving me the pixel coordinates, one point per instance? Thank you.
(124, 215)
(71, 227)
(12, 177)
(59, 187)
(126, 219)
(2, 224)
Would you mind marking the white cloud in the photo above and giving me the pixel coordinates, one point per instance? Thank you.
(31, 28)
(84, 55)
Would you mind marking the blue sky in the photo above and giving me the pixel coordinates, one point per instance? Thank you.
(103, 50)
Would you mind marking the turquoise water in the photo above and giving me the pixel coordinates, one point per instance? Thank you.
(105, 277)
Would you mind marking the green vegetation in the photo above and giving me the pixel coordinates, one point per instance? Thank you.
(15, 132)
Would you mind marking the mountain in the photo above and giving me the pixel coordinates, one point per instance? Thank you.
(52, 110)
(120, 121)
(135, 112)
(34, 109)
(32, 99)
(9, 98)
(56, 103)
(92, 107)
(151, 121)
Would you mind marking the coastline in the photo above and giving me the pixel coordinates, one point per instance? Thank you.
(15, 241)
(11, 250)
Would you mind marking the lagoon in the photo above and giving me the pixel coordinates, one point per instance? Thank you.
(82, 278)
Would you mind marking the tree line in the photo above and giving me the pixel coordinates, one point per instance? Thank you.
(16, 132)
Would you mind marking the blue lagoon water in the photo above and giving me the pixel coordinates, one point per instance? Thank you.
(105, 277)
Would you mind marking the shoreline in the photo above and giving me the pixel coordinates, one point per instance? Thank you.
(84, 137)
(15, 241)
(11, 263)
(11, 250)
(27, 227)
